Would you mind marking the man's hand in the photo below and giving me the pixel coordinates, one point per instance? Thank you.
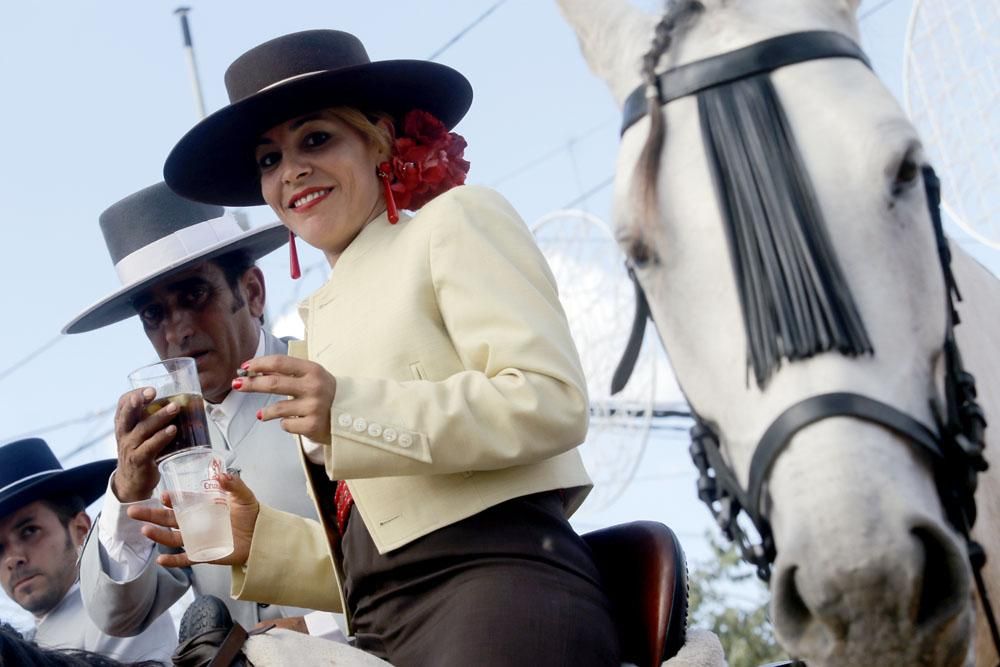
(311, 389)
(140, 437)
(243, 511)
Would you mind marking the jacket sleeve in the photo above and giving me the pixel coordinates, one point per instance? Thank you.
(126, 608)
(521, 397)
(289, 564)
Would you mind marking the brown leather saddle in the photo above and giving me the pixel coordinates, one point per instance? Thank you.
(645, 577)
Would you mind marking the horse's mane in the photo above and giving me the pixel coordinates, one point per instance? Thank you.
(677, 15)
(793, 296)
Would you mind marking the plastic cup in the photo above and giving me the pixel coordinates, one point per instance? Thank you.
(200, 506)
(176, 381)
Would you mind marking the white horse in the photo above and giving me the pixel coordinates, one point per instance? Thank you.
(868, 569)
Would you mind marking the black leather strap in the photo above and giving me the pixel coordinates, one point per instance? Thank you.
(627, 364)
(817, 408)
(758, 58)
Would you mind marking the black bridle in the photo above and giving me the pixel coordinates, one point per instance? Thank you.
(954, 448)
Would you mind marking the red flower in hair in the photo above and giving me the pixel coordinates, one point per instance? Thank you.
(427, 160)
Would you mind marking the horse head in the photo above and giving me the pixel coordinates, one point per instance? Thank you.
(779, 225)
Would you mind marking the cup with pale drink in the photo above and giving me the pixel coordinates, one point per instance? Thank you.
(176, 381)
(201, 507)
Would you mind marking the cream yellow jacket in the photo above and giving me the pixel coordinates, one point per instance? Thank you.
(458, 388)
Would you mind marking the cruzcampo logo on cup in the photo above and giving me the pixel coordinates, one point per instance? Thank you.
(176, 381)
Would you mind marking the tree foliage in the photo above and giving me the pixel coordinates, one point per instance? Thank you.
(726, 597)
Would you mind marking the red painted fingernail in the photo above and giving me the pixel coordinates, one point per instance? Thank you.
(246, 365)
(237, 383)
(260, 415)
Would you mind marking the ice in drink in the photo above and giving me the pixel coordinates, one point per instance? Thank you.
(200, 505)
(191, 422)
(199, 520)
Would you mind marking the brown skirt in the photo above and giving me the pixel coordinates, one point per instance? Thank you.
(511, 586)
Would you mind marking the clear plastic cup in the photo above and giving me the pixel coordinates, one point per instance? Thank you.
(176, 381)
(200, 506)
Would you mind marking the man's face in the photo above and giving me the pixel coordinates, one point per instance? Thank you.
(196, 314)
(38, 556)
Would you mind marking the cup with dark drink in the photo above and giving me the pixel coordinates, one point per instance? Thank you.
(176, 381)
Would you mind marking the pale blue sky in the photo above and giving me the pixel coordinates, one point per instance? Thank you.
(96, 93)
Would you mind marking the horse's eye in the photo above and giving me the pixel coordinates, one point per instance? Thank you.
(638, 252)
(907, 173)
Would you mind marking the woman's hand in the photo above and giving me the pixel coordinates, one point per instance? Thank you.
(243, 511)
(310, 387)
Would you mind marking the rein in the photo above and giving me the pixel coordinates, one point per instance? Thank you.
(955, 448)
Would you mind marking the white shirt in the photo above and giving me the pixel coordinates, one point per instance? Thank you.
(68, 626)
(129, 551)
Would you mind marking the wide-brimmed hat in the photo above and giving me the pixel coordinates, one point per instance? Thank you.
(29, 471)
(155, 233)
(290, 76)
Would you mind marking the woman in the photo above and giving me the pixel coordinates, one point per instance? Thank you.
(441, 382)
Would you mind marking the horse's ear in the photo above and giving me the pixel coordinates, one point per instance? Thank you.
(850, 6)
(613, 36)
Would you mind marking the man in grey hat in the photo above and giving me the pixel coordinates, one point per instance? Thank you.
(42, 527)
(188, 272)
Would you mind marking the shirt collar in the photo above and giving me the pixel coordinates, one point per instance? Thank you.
(72, 589)
(222, 413)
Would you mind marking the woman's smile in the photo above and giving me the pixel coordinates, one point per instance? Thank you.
(308, 198)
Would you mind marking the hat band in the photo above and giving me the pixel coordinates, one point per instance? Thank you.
(31, 476)
(175, 248)
(291, 78)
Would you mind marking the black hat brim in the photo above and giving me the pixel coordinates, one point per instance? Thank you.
(89, 481)
(118, 306)
(214, 162)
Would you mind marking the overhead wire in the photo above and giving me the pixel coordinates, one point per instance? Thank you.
(461, 33)
(49, 344)
(91, 416)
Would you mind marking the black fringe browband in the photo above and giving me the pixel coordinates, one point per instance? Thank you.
(793, 295)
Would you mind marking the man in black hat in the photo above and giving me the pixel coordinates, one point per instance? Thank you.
(188, 272)
(42, 527)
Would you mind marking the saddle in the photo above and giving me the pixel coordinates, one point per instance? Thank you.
(645, 577)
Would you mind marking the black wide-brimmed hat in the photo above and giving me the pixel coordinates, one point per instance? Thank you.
(29, 471)
(290, 76)
(153, 234)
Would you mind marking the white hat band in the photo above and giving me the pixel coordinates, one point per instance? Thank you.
(176, 247)
(31, 476)
(291, 78)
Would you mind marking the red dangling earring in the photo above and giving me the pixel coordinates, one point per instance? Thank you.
(293, 256)
(390, 202)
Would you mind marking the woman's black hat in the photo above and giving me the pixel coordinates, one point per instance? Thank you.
(290, 76)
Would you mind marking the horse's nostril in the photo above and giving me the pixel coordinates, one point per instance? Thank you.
(788, 604)
(942, 586)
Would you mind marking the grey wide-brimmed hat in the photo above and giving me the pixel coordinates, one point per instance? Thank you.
(155, 233)
(29, 471)
(290, 76)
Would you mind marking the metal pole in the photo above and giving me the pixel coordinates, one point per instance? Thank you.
(199, 102)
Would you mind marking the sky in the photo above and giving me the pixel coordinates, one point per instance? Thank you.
(96, 94)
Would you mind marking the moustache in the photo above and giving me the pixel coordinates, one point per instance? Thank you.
(19, 574)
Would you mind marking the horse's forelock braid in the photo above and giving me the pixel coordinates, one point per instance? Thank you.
(648, 168)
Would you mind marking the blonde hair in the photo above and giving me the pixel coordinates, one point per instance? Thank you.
(367, 125)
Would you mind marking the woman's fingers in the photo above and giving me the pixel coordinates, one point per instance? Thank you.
(237, 489)
(278, 363)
